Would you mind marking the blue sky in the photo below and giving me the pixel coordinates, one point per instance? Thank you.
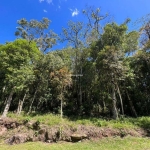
(61, 11)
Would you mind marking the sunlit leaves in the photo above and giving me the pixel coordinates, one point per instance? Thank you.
(34, 30)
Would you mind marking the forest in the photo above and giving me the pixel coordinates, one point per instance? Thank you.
(102, 71)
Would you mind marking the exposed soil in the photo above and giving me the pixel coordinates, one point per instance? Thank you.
(13, 132)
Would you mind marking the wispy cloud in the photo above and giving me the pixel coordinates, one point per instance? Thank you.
(74, 12)
(45, 11)
(41, 1)
(59, 6)
(48, 1)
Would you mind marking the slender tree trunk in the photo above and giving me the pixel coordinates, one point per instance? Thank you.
(18, 109)
(8, 104)
(114, 108)
(131, 105)
(2, 97)
(4, 89)
(80, 91)
(61, 106)
(30, 108)
(20, 104)
(38, 104)
(61, 109)
(104, 106)
(121, 102)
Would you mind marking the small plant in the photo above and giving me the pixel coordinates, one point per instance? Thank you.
(59, 133)
(26, 120)
(36, 125)
(36, 133)
(98, 123)
(122, 133)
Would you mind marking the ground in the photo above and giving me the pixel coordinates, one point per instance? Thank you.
(78, 134)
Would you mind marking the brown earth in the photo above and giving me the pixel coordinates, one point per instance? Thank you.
(13, 132)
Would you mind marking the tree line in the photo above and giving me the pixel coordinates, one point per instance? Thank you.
(104, 70)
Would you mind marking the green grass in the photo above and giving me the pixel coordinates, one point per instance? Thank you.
(127, 143)
(51, 119)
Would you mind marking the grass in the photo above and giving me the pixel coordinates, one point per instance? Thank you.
(51, 119)
(127, 143)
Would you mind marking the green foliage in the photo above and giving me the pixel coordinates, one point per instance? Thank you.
(105, 72)
(17, 59)
(34, 30)
(52, 120)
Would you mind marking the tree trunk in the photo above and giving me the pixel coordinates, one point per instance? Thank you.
(30, 108)
(131, 105)
(61, 106)
(8, 104)
(61, 109)
(18, 109)
(121, 102)
(20, 104)
(80, 99)
(104, 106)
(80, 91)
(114, 108)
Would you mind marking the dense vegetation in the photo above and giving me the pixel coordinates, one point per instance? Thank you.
(103, 71)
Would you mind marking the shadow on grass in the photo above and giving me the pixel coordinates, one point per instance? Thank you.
(142, 122)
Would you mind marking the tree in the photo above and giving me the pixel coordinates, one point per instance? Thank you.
(41, 87)
(94, 19)
(17, 59)
(140, 64)
(34, 30)
(145, 32)
(75, 34)
(61, 79)
(108, 56)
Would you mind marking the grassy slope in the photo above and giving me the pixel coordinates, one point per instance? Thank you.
(127, 143)
(50, 119)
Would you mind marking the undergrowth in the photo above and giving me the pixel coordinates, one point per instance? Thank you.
(51, 119)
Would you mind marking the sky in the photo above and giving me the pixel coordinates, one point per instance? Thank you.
(61, 11)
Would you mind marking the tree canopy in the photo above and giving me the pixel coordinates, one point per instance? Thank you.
(104, 69)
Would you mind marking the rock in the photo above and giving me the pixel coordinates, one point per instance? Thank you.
(29, 125)
(48, 141)
(9, 123)
(35, 139)
(41, 137)
(13, 125)
(2, 130)
(78, 137)
(42, 131)
(36, 125)
(51, 134)
(17, 139)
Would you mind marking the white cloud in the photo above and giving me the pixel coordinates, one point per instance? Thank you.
(75, 12)
(59, 6)
(45, 11)
(49, 1)
(41, 1)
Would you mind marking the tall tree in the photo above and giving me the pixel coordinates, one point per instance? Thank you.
(109, 54)
(16, 63)
(34, 30)
(61, 79)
